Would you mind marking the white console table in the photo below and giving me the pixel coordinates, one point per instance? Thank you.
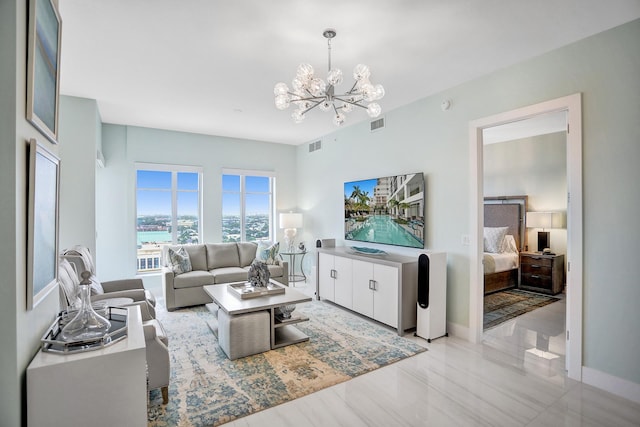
(105, 387)
(383, 288)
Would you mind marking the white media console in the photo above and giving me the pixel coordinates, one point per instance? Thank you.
(384, 288)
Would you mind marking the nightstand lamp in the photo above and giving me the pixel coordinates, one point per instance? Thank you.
(544, 220)
(290, 222)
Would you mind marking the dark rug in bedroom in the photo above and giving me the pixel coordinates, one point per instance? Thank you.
(505, 305)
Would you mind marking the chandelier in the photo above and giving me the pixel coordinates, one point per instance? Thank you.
(309, 91)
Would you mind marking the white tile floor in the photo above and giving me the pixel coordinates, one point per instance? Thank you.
(496, 383)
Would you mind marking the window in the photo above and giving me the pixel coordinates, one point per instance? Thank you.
(167, 210)
(247, 206)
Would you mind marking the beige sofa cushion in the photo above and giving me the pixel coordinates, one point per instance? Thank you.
(229, 274)
(198, 256)
(247, 252)
(193, 279)
(222, 255)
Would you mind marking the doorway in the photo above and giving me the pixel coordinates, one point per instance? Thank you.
(572, 105)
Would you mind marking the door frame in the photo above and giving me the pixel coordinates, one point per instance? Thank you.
(572, 104)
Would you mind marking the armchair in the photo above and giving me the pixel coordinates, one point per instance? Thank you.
(158, 365)
(69, 281)
(81, 257)
(157, 352)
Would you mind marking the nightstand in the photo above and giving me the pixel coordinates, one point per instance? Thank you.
(542, 273)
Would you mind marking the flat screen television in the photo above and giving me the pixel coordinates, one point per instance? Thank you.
(387, 210)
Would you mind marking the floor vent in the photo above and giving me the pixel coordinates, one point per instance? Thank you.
(377, 124)
(315, 146)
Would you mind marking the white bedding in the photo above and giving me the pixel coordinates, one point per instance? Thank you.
(496, 263)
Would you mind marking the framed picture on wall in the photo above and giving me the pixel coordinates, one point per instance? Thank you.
(42, 234)
(43, 67)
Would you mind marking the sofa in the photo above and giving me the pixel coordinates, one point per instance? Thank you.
(211, 263)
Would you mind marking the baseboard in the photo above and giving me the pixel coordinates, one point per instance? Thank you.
(612, 384)
(458, 331)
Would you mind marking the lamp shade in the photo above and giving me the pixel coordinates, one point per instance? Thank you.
(545, 220)
(290, 220)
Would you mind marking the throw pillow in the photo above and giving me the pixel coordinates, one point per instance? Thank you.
(268, 253)
(180, 261)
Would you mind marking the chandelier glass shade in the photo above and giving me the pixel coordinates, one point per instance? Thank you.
(309, 91)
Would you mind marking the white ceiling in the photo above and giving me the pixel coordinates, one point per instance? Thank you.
(209, 66)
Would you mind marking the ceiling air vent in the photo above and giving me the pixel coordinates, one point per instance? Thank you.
(376, 125)
(315, 146)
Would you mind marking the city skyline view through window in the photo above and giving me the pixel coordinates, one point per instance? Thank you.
(168, 211)
(247, 205)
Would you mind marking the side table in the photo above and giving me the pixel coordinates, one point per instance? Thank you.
(293, 277)
(541, 272)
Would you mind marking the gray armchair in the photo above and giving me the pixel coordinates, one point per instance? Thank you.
(158, 365)
(157, 351)
(82, 259)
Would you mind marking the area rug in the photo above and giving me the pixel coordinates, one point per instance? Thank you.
(207, 389)
(505, 305)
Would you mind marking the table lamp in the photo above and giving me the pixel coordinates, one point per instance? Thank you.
(544, 220)
(290, 222)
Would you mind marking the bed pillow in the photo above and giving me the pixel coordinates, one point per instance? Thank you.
(180, 261)
(493, 238)
(509, 244)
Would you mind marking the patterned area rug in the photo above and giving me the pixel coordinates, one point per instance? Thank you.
(505, 305)
(208, 389)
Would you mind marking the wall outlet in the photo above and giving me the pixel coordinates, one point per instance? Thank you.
(466, 240)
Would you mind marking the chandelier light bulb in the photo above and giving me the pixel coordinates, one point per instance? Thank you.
(309, 91)
(297, 116)
(361, 72)
(368, 92)
(280, 89)
(283, 102)
(374, 110)
(317, 87)
(305, 72)
(334, 77)
(297, 84)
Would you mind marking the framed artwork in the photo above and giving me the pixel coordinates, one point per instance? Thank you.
(43, 67)
(42, 234)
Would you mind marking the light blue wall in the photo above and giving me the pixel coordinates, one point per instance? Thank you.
(124, 145)
(422, 138)
(537, 167)
(20, 329)
(79, 130)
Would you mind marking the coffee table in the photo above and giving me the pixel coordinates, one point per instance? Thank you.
(250, 326)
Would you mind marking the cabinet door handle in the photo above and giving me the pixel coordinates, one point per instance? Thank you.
(334, 274)
(372, 285)
(535, 266)
(535, 276)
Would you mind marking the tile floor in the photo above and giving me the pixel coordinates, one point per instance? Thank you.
(502, 382)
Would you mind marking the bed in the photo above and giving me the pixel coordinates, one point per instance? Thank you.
(503, 241)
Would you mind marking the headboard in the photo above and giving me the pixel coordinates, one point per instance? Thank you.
(507, 211)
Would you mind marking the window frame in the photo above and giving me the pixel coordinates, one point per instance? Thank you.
(243, 174)
(175, 170)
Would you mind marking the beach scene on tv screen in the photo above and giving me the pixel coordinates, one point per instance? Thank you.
(387, 210)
